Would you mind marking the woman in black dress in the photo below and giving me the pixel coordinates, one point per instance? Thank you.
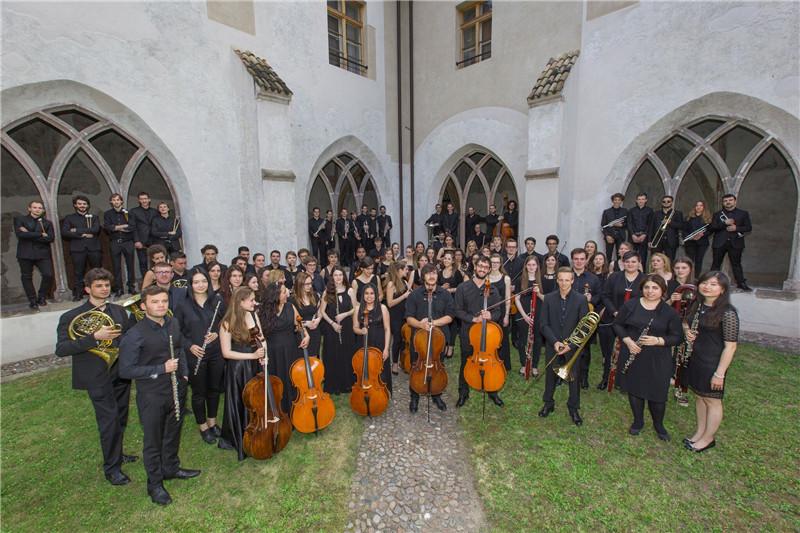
(416, 281)
(500, 279)
(531, 276)
(549, 273)
(397, 292)
(379, 335)
(449, 279)
(683, 274)
(241, 365)
(366, 276)
(279, 319)
(232, 279)
(697, 246)
(195, 313)
(648, 327)
(337, 334)
(713, 328)
(306, 301)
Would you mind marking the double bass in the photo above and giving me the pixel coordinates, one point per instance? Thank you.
(428, 375)
(269, 428)
(370, 396)
(484, 371)
(503, 229)
(313, 409)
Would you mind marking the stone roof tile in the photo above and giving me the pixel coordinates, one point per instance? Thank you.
(552, 79)
(264, 75)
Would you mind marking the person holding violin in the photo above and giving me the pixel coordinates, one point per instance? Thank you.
(469, 309)
(379, 334)
(442, 311)
(306, 301)
(561, 312)
(242, 353)
(337, 332)
(279, 321)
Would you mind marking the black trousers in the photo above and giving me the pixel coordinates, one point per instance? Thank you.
(120, 249)
(665, 249)
(161, 435)
(696, 252)
(45, 267)
(735, 255)
(142, 256)
(605, 334)
(110, 403)
(574, 401)
(522, 343)
(641, 249)
(610, 249)
(79, 261)
(466, 353)
(206, 386)
(657, 411)
(584, 361)
(345, 252)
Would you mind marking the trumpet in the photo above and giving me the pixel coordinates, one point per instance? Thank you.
(724, 218)
(695, 233)
(578, 338)
(662, 230)
(87, 323)
(614, 222)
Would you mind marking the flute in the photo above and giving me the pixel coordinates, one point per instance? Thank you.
(205, 343)
(174, 379)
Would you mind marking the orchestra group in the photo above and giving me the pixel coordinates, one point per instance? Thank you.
(277, 339)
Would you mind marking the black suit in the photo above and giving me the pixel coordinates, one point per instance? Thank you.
(450, 224)
(638, 223)
(469, 225)
(385, 229)
(344, 230)
(559, 318)
(121, 246)
(109, 393)
(33, 250)
(160, 229)
(730, 242)
(618, 234)
(671, 239)
(82, 249)
(140, 219)
(314, 236)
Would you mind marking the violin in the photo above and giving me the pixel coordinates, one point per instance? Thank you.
(369, 396)
(484, 371)
(269, 428)
(405, 355)
(313, 409)
(428, 376)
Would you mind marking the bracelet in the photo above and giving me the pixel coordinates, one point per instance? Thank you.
(718, 376)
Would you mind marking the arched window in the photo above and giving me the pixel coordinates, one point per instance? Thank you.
(478, 180)
(343, 182)
(57, 153)
(713, 156)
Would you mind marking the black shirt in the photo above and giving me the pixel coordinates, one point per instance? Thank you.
(671, 235)
(469, 303)
(194, 321)
(450, 223)
(638, 220)
(160, 228)
(31, 244)
(579, 284)
(417, 305)
(141, 219)
(112, 218)
(144, 350)
(610, 215)
(75, 226)
(560, 316)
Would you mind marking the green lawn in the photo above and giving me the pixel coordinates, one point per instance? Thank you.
(535, 474)
(52, 476)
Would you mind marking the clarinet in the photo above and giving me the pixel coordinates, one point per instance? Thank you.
(205, 343)
(336, 297)
(632, 356)
(690, 345)
(174, 379)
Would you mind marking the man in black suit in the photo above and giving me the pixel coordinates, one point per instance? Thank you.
(82, 229)
(614, 234)
(670, 240)
(108, 392)
(385, 226)
(450, 221)
(552, 249)
(344, 230)
(470, 221)
(141, 217)
(638, 223)
(120, 233)
(34, 235)
(561, 312)
(730, 226)
(314, 231)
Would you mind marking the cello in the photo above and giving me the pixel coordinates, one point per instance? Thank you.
(369, 396)
(484, 371)
(405, 354)
(269, 428)
(428, 376)
(313, 409)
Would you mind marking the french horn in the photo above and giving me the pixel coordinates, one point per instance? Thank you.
(87, 323)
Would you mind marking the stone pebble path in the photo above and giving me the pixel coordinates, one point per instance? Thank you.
(412, 475)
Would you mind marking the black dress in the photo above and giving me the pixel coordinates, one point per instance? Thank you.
(548, 284)
(522, 338)
(307, 312)
(376, 338)
(360, 285)
(707, 350)
(234, 418)
(396, 320)
(649, 374)
(505, 346)
(338, 349)
(454, 280)
(282, 351)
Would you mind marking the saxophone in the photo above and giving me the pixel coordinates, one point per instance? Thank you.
(174, 379)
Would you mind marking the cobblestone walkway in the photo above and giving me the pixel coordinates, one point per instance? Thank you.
(413, 475)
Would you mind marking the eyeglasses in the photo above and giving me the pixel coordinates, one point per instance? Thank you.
(160, 272)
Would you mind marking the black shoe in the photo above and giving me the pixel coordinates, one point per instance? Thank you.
(603, 385)
(699, 450)
(437, 400)
(183, 473)
(462, 399)
(634, 431)
(576, 418)
(129, 458)
(743, 286)
(663, 436)
(216, 430)
(159, 495)
(223, 444)
(33, 305)
(687, 443)
(208, 436)
(413, 405)
(585, 383)
(546, 410)
(496, 399)
(42, 301)
(118, 478)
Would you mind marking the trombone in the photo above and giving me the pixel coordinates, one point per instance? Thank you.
(578, 338)
(662, 230)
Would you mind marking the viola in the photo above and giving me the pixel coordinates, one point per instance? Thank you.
(313, 409)
(484, 371)
(269, 428)
(370, 396)
(405, 354)
(428, 376)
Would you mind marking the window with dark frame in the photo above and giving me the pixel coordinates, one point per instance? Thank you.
(475, 32)
(346, 35)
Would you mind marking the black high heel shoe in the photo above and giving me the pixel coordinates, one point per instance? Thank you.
(700, 450)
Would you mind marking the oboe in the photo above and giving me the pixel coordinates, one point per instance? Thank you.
(631, 355)
(174, 378)
(205, 343)
(336, 297)
(690, 345)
